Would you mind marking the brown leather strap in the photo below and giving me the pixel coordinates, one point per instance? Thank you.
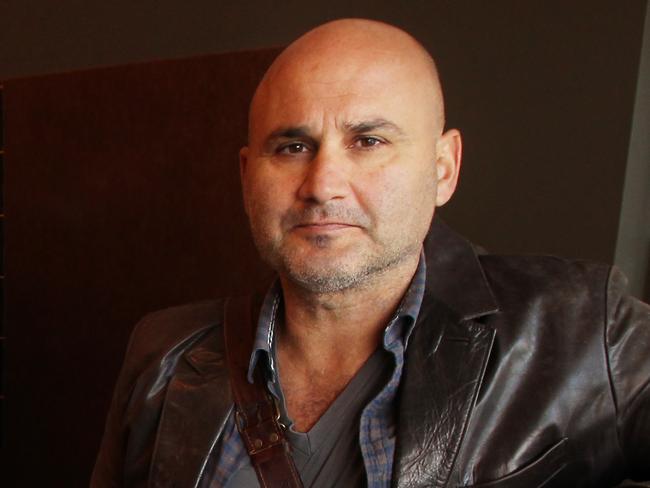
(256, 411)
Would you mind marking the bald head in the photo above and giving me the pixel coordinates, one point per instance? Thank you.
(344, 50)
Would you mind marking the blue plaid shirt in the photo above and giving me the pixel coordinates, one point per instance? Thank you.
(377, 424)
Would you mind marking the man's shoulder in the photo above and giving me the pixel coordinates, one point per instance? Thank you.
(473, 282)
(174, 328)
(185, 317)
(551, 285)
(546, 271)
(556, 290)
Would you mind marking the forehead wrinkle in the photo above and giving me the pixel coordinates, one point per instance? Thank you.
(373, 124)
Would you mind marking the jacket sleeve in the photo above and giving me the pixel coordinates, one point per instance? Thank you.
(627, 341)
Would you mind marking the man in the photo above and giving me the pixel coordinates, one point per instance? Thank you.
(393, 362)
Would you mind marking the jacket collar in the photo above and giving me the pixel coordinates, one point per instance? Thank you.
(455, 276)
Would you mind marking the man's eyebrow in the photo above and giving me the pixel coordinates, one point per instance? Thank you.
(374, 124)
(289, 133)
(303, 132)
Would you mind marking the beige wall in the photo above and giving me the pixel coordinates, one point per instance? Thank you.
(633, 243)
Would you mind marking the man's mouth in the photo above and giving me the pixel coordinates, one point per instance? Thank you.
(325, 219)
(325, 226)
(324, 223)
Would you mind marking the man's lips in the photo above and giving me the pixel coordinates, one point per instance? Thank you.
(324, 226)
(324, 219)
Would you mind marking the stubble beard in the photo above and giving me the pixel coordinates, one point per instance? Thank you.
(322, 275)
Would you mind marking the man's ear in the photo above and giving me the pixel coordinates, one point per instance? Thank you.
(243, 163)
(449, 150)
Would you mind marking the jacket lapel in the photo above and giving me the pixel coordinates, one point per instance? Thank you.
(197, 405)
(445, 362)
(439, 388)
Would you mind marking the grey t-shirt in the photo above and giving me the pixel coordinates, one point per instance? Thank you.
(329, 454)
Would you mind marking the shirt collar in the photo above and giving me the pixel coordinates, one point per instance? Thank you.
(266, 330)
(401, 325)
(399, 328)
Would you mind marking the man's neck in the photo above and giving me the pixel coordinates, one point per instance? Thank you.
(344, 327)
(326, 338)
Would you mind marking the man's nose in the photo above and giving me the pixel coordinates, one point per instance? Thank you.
(325, 177)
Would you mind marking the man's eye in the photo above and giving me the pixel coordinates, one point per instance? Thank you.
(292, 148)
(368, 142)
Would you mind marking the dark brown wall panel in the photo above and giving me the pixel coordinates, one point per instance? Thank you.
(123, 197)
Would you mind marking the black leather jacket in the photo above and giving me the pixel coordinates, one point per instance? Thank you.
(521, 372)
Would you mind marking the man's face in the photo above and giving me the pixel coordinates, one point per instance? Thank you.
(340, 178)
